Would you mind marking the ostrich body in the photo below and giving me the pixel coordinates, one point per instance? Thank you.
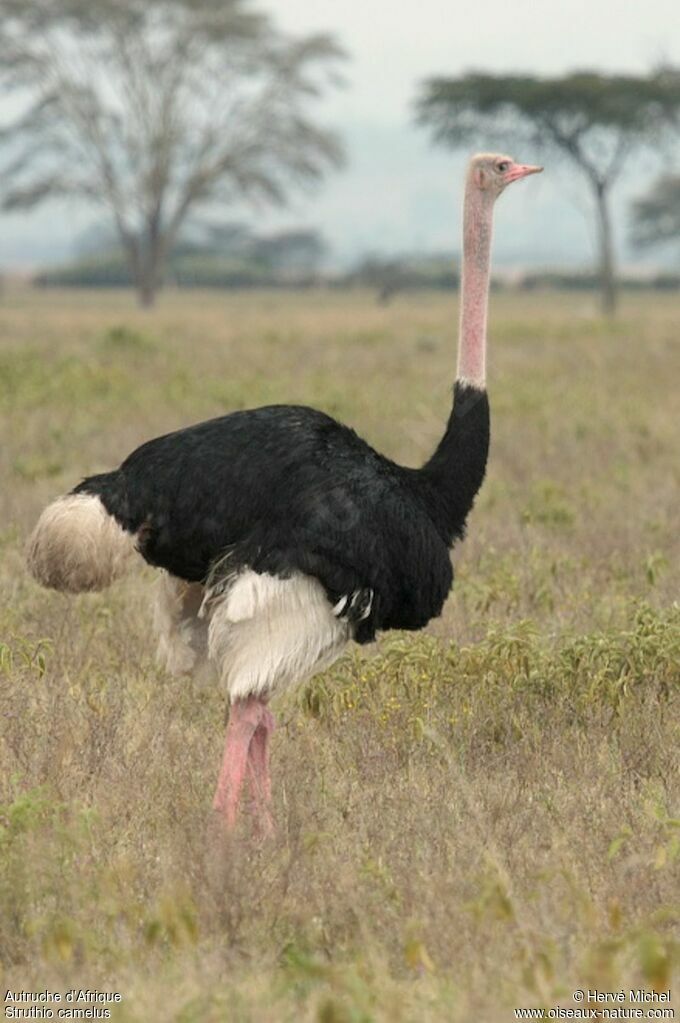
(281, 533)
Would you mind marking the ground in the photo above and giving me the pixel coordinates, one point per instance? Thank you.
(472, 820)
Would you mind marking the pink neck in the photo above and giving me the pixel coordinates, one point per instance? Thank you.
(474, 294)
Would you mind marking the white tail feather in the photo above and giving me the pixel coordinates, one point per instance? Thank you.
(266, 632)
(77, 546)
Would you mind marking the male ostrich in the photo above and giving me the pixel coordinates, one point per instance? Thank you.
(281, 534)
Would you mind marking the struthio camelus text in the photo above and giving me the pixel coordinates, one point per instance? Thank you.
(281, 534)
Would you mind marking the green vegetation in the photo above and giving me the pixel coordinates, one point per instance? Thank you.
(477, 818)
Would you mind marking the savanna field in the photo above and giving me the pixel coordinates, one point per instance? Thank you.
(475, 819)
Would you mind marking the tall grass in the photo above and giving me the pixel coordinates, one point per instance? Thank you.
(477, 818)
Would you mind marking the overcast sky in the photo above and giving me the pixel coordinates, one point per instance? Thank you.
(397, 191)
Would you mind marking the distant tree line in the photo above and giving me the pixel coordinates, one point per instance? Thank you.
(229, 256)
(389, 277)
(290, 260)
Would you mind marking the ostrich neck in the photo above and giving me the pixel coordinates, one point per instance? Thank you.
(474, 297)
(449, 481)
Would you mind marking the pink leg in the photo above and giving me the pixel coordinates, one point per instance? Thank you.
(245, 718)
(258, 772)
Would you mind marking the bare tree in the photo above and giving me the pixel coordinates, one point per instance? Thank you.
(156, 107)
(595, 121)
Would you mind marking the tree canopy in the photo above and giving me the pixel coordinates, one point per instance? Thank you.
(595, 120)
(156, 107)
(593, 117)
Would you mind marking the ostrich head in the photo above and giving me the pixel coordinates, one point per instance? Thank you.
(491, 172)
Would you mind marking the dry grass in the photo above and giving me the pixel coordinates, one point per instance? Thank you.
(472, 820)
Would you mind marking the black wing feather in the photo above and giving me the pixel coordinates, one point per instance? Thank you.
(284, 489)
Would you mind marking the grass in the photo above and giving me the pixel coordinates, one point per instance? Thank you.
(481, 817)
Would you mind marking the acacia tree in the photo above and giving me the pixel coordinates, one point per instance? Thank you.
(656, 216)
(596, 121)
(153, 108)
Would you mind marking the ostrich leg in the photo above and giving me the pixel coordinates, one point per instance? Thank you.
(245, 719)
(258, 772)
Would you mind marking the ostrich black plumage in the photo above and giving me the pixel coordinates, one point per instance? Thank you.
(281, 534)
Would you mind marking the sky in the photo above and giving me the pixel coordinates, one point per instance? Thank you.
(399, 193)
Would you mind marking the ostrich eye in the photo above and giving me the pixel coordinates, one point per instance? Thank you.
(502, 166)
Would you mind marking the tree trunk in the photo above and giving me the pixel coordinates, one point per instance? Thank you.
(146, 293)
(146, 254)
(149, 277)
(608, 287)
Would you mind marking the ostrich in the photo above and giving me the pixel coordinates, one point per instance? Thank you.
(281, 534)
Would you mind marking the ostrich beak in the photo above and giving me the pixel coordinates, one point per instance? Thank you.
(521, 170)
